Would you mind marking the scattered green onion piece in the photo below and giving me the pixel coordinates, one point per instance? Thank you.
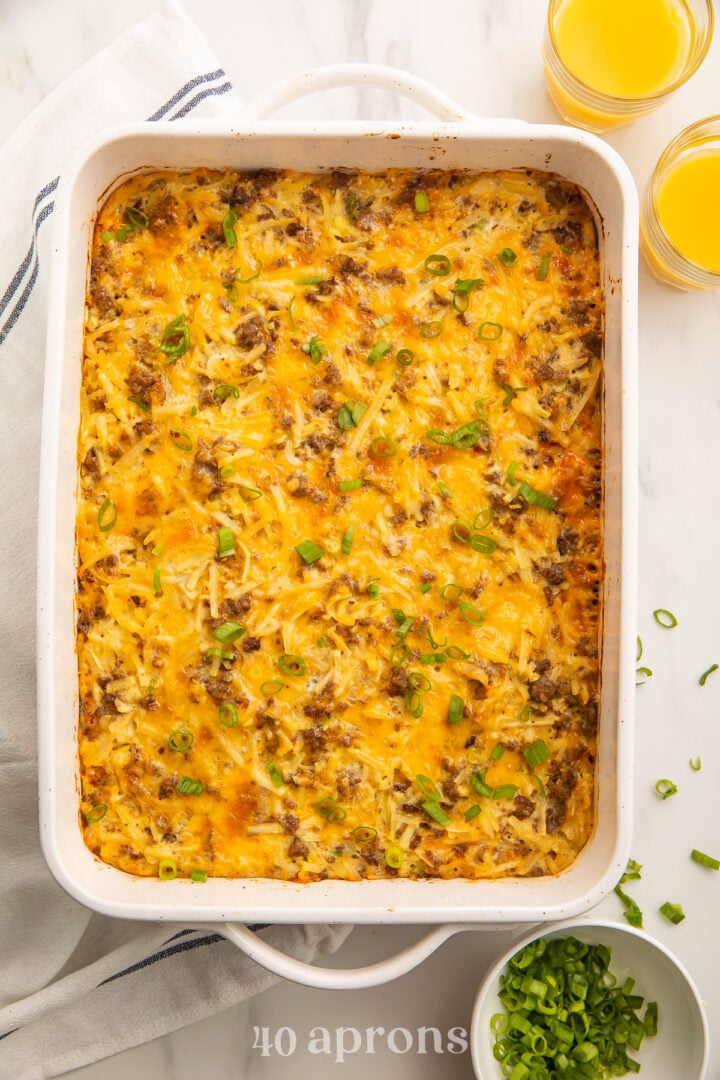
(364, 834)
(512, 469)
(472, 812)
(229, 223)
(567, 250)
(405, 357)
(507, 256)
(665, 788)
(525, 713)
(381, 320)
(504, 791)
(373, 590)
(422, 202)
(157, 583)
(424, 589)
(181, 439)
(198, 875)
(187, 786)
(482, 519)
(103, 524)
(665, 618)
(167, 869)
(228, 632)
(157, 550)
(643, 671)
(394, 856)
(350, 207)
(510, 393)
(435, 644)
(543, 268)
(456, 709)
(275, 775)
(223, 654)
(350, 414)
(650, 1020)
(538, 781)
(96, 813)
(632, 871)
(478, 782)
(696, 764)
(462, 290)
(290, 312)
(247, 280)
(427, 786)
(413, 704)
(377, 352)
(383, 448)
(271, 686)
(347, 540)
(176, 339)
(444, 490)
(225, 390)
(249, 494)
(181, 740)
(436, 812)
(490, 331)
(497, 752)
(466, 437)
(227, 714)
(325, 805)
(290, 664)
(107, 236)
(437, 435)
(310, 279)
(471, 614)
(315, 349)
(462, 531)
(454, 652)
(433, 658)
(704, 676)
(536, 753)
(437, 265)
(399, 654)
(336, 815)
(632, 912)
(226, 542)
(451, 591)
(673, 912)
(639, 650)
(136, 217)
(705, 860)
(350, 485)
(233, 293)
(140, 403)
(484, 545)
(431, 329)
(309, 552)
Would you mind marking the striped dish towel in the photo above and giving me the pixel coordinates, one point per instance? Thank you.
(75, 986)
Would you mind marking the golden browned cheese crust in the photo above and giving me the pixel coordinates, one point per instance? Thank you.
(255, 343)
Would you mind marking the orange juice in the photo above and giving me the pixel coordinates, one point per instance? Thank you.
(624, 48)
(688, 206)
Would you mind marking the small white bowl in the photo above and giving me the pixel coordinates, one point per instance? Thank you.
(681, 1047)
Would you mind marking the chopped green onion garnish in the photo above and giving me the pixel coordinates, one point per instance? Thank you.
(422, 202)
(181, 740)
(270, 687)
(456, 709)
(451, 591)
(176, 339)
(643, 671)
(181, 439)
(497, 752)
(228, 632)
(504, 791)
(704, 676)
(394, 855)
(705, 860)
(485, 545)
(377, 352)
(514, 465)
(229, 223)
(466, 437)
(275, 775)
(315, 349)
(227, 714)
(226, 542)
(290, 312)
(140, 403)
(437, 265)
(350, 485)
(187, 786)
(482, 519)
(291, 664)
(632, 872)
(157, 582)
(96, 813)
(444, 490)
(405, 357)
(350, 414)
(639, 650)
(350, 207)
(136, 217)
(567, 250)
(536, 753)
(347, 540)
(454, 652)
(433, 658)
(221, 653)
(544, 267)
(198, 875)
(373, 589)
(413, 704)
(426, 587)
(507, 256)
(490, 331)
(382, 447)
(226, 390)
(364, 834)
(381, 320)
(167, 868)
(461, 292)
(247, 280)
(233, 293)
(309, 552)
(673, 912)
(436, 812)
(249, 494)
(536, 498)
(538, 781)
(462, 531)
(632, 912)
(405, 625)
(665, 788)
(472, 812)
(510, 393)
(427, 786)
(310, 279)
(106, 523)
(431, 329)
(399, 654)
(472, 614)
(695, 764)
(665, 618)
(478, 782)
(330, 810)
(437, 435)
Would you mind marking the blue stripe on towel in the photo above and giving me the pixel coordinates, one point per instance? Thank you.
(210, 76)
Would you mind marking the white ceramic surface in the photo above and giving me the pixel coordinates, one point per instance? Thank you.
(486, 55)
(680, 1048)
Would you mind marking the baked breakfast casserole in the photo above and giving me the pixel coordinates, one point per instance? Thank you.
(339, 525)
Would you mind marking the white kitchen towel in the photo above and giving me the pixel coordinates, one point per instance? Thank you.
(76, 987)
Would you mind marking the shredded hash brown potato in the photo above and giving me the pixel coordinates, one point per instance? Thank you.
(274, 678)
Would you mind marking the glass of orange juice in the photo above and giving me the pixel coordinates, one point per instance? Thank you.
(680, 218)
(608, 62)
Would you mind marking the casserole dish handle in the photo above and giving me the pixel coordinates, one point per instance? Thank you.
(323, 978)
(380, 76)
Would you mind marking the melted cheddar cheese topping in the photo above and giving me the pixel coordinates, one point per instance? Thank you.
(339, 525)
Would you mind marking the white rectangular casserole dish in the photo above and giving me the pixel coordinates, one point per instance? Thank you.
(461, 143)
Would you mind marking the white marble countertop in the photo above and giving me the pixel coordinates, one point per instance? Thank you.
(486, 54)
